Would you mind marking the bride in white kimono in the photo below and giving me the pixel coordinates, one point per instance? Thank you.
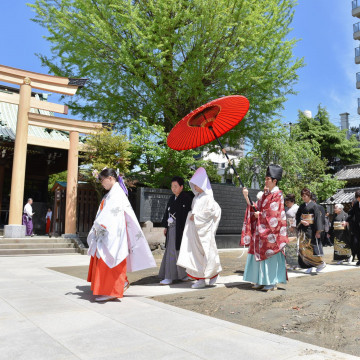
(116, 242)
(198, 252)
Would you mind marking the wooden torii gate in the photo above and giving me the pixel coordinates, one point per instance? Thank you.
(28, 80)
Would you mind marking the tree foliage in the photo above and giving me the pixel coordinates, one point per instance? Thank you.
(160, 59)
(105, 148)
(53, 178)
(301, 161)
(333, 143)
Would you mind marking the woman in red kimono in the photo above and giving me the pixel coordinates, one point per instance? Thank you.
(265, 233)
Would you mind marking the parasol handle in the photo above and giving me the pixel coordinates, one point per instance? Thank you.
(232, 166)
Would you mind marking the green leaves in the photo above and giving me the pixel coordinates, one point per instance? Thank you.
(151, 62)
(300, 159)
(105, 148)
(334, 146)
(163, 58)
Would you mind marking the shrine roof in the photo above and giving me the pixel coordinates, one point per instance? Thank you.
(8, 119)
(342, 196)
(349, 172)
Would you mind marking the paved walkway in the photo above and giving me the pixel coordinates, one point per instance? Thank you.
(45, 314)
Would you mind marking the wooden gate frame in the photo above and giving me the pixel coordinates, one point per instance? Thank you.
(67, 86)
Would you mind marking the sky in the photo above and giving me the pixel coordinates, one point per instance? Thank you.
(324, 29)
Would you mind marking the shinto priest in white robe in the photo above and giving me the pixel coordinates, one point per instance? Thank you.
(116, 234)
(198, 252)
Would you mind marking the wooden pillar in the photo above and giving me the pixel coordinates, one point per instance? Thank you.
(71, 189)
(20, 149)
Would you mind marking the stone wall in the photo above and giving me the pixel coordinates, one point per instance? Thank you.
(151, 205)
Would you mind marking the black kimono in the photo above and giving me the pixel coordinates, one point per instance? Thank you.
(354, 221)
(340, 238)
(310, 247)
(177, 211)
(179, 208)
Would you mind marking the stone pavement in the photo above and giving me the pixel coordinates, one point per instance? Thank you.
(45, 314)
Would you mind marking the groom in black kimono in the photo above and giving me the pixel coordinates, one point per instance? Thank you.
(173, 221)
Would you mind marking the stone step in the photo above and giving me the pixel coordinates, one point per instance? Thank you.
(34, 240)
(11, 252)
(37, 246)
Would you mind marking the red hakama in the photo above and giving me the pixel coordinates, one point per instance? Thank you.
(107, 281)
(48, 222)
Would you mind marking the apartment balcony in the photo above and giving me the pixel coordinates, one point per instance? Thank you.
(358, 80)
(359, 106)
(356, 8)
(357, 55)
(356, 31)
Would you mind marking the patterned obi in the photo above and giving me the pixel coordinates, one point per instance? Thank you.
(308, 217)
(338, 225)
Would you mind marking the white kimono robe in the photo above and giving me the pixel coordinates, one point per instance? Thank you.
(198, 252)
(116, 234)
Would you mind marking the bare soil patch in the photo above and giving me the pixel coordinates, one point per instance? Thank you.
(321, 309)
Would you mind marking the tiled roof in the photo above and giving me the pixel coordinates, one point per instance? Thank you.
(7, 133)
(342, 196)
(349, 172)
(8, 119)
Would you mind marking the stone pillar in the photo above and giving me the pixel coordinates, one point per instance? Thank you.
(15, 227)
(71, 188)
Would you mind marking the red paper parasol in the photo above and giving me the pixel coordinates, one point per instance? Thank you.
(207, 122)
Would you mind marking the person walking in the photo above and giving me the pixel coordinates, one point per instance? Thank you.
(340, 235)
(116, 242)
(353, 237)
(174, 220)
(198, 251)
(327, 237)
(354, 220)
(265, 232)
(291, 250)
(310, 224)
(325, 222)
(27, 218)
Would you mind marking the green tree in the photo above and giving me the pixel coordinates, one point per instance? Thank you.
(105, 148)
(163, 58)
(300, 159)
(333, 143)
(53, 178)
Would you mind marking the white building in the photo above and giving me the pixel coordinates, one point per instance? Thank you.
(221, 163)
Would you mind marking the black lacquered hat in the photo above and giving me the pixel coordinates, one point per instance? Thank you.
(274, 171)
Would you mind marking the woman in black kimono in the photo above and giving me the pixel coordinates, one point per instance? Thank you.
(310, 225)
(173, 221)
(340, 235)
